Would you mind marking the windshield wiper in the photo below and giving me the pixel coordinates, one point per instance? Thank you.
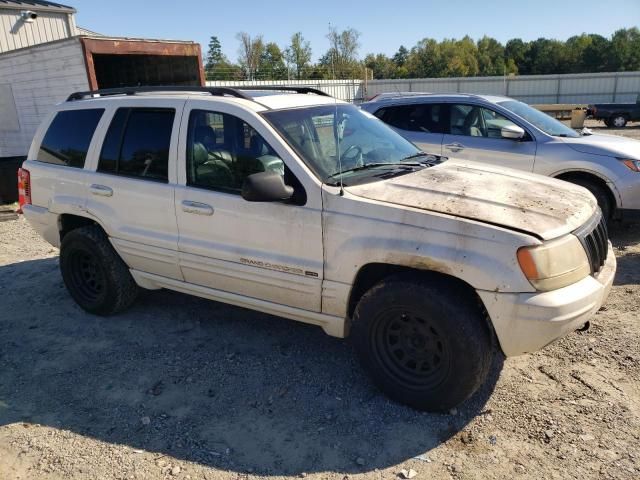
(367, 166)
(433, 160)
(416, 155)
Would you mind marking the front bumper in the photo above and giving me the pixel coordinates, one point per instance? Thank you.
(526, 322)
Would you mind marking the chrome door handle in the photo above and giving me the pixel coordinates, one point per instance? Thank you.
(101, 190)
(454, 147)
(197, 208)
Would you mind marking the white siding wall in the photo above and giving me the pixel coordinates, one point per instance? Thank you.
(574, 88)
(39, 77)
(342, 89)
(48, 27)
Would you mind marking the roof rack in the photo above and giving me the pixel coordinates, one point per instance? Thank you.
(281, 88)
(217, 91)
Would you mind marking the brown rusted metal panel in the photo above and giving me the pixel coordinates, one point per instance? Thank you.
(91, 46)
(88, 62)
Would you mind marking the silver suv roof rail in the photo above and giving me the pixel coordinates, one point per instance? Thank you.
(216, 91)
(282, 88)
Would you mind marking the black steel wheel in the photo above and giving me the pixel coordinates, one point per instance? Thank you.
(410, 348)
(87, 275)
(423, 339)
(94, 274)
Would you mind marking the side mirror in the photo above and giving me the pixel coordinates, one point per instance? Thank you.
(512, 132)
(266, 187)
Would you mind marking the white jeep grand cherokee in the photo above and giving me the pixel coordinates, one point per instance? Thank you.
(302, 206)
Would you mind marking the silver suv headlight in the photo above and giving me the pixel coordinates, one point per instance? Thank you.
(554, 264)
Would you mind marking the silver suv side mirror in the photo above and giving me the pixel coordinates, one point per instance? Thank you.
(512, 132)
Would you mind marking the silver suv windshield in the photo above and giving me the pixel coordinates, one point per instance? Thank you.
(334, 138)
(539, 119)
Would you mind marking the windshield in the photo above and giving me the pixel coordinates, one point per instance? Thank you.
(324, 134)
(544, 122)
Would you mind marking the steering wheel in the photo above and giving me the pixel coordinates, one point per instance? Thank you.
(357, 158)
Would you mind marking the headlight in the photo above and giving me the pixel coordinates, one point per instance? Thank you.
(633, 165)
(554, 264)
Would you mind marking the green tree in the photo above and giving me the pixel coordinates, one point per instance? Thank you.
(381, 65)
(459, 58)
(342, 57)
(424, 60)
(516, 53)
(624, 49)
(217, 66)
(298, 54)
(547, 57)
(214, 53)
(595, 57)
(250, 53)
(491, 58)
(400, 57)
(272, 66)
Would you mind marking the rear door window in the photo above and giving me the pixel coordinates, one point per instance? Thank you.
(68, 138)
(137, 143)
(419, 117)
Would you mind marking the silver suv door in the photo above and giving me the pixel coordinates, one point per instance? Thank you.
(474, 133)
(423, 124)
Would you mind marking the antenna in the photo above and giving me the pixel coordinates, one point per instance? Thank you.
(337, 134)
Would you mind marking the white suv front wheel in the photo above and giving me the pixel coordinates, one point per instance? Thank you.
(424, 343)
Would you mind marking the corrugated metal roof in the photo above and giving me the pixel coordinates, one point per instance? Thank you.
(86, 31)
(36, 5)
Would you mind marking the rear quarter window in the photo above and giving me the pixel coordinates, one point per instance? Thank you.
(68, 137)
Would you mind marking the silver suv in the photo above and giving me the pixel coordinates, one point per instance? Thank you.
(503, 131)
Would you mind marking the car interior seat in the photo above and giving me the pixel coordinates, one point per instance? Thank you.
(472, 123)
(208, 171)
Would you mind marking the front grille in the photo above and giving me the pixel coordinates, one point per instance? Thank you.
(595, 239)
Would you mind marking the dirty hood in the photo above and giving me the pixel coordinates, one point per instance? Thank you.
(610, 145)
(542, 206)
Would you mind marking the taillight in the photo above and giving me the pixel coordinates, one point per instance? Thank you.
(24, 188)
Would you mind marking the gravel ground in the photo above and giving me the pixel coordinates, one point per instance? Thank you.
(180, 387)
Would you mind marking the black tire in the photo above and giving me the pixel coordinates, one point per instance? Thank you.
(425, 344)
(602, 195)
(617, 121)
(94, 274)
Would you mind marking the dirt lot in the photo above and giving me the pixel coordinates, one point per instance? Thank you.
(180, 387)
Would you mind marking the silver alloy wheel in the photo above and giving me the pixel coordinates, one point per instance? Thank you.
(619, 121)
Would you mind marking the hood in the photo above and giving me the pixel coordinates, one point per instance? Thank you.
(610, 145)
(541, 206)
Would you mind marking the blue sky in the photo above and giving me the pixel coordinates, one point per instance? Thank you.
(384, 25)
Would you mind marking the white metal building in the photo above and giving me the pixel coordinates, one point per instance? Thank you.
(44, 57)
(24, 23)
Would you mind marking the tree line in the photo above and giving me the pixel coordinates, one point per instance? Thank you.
(429, 58)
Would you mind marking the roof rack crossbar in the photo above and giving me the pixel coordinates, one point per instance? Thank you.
(217, 91)
(281, 88)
